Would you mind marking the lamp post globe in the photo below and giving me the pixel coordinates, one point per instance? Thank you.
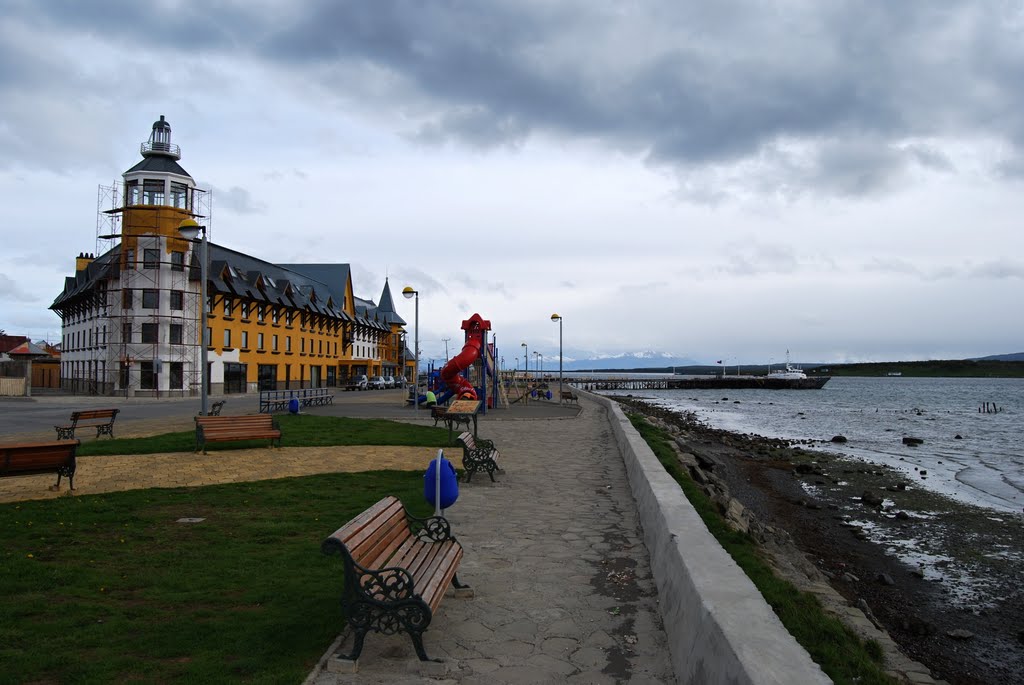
(558, 318)
(408, 292)
(526, 360)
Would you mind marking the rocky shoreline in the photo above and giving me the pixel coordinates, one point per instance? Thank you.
(940, 578)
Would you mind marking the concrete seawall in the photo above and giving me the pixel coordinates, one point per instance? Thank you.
(720, 628)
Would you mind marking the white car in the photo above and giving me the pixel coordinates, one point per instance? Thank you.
(389, 381)
(377, 383)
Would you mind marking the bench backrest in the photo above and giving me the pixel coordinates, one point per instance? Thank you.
(467, 440)
(240, 422)
(87, 414)
(31, 457)
(373, 536)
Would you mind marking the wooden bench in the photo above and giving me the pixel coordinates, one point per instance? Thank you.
(478, 454)
(397, 568)
(569, 396)
(25, 459)
(100, 419)
(437, 412)
(225, 428)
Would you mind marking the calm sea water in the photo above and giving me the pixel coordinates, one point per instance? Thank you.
(984, 467)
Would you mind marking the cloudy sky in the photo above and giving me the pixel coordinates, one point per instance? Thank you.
(714, 180)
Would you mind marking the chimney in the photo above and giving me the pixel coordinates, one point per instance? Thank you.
(83, 260)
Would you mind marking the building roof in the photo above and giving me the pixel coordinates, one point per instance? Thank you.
(159, 164)
(387, 306)
(28, 349)
(317, 288)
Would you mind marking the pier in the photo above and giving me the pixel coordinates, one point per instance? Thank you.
(698, 383)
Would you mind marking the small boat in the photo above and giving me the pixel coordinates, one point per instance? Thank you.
(790, 373)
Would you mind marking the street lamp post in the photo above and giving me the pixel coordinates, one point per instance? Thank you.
(191, 231)
(408, 293)
(526, 361)
(556, 317)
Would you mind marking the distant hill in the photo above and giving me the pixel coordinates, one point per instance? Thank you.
(934, 368)
(1015, 357)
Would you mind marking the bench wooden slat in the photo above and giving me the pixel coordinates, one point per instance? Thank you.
(100, 419)
(25, 459)
(383, 537)
(226, 428)
(365, 518)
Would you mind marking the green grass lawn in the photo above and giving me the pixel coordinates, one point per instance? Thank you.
(111, 588)
(302, 430)
(840, 653)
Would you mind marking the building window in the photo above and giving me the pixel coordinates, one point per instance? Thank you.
(177, 376)
(209, 337)
(175, 337)
(273, 342)
(287, 318)
(179, 195)
(151, 299)
(288, 343)
(126, 298)
(260, 313)
(150, 258)
(302, 345)
(244, 310)
(126, 332)
(129, 259)
(274, 315)
(227, 306)
(320, 346)
(245, 340)
(149, 333)
(227, 337)
(147, 376)
(177, 300)
(131, 193)
(259, 341)
(177, 261)
(152, 192)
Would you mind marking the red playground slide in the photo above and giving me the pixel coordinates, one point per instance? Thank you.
(459, 386)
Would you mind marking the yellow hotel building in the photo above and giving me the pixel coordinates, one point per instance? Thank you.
(131, 315)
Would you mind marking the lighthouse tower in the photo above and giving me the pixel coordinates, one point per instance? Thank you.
(131, 314)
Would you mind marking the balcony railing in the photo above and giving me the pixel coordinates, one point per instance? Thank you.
(166, 148)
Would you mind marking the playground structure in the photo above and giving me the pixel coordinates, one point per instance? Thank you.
(470, 373)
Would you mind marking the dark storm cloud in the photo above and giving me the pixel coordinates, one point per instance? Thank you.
(858, 84)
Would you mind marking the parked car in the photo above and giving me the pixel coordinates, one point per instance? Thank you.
(377, 383)
(389, 381)
(357, 383)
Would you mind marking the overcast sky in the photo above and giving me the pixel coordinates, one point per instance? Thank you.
(714, 180)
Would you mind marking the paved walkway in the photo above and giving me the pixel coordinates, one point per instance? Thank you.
(562, 580)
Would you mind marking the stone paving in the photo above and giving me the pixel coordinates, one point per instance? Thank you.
(562, 581)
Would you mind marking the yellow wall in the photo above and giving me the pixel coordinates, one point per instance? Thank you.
(317, 344)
